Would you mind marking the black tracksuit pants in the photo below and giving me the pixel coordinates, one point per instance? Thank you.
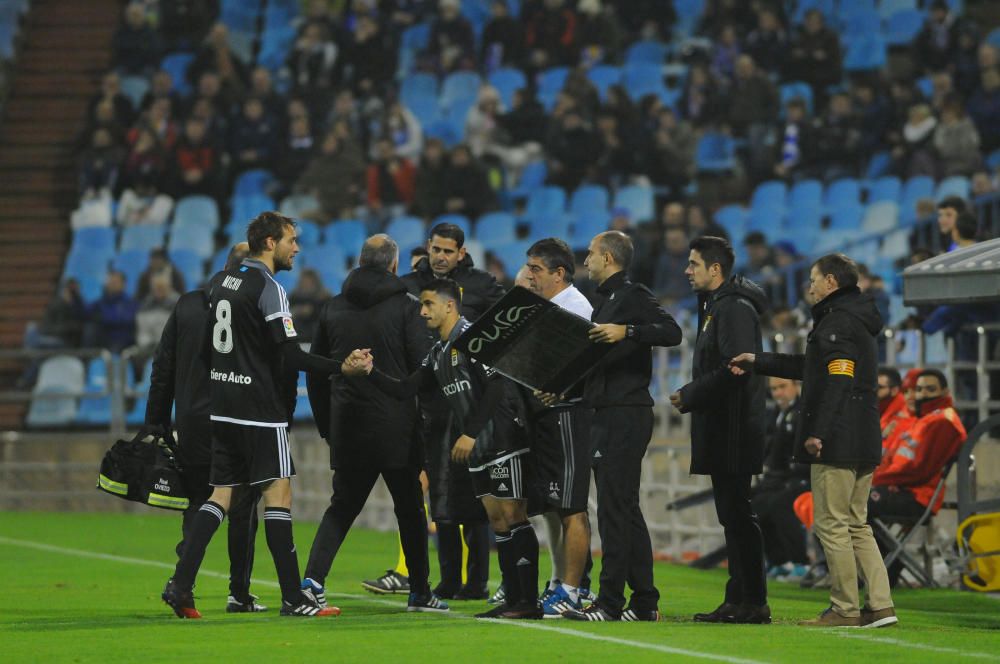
(784, 534)
(351, 488)
(619, 438)
(744, 542)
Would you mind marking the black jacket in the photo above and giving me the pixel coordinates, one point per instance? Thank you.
(838, 374)
(727, 423)
(362, 424)
(780, 468)
(479, 289)
(622, 378)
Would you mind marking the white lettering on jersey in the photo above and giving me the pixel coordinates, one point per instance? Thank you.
(455, 387)
(231, 377)
(232, 283)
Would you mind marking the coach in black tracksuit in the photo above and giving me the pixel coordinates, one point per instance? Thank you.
(369, 432)
(180, 379)
(453, 501)
(728, 420)
(629, 316)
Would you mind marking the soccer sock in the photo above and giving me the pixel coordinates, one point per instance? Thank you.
(572, 591)
(206, 522)
(525, 547)
(278, 528)
(508, 568)
(401, 561)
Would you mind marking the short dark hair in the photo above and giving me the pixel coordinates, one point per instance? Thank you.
(937, 373)
(554, 254)
(378, 251)
(449, 232)
(266, 225)
(446, 287)
(967, 225)
(895, 380)
(840, 267)
(619, 245)
(956, 203)
(715, 250)
(236, 255)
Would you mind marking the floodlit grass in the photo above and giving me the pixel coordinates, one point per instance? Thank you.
(86, 588)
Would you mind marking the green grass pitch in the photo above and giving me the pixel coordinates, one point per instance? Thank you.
(86, 588)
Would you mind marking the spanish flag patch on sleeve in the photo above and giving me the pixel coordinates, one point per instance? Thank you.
(841, 368)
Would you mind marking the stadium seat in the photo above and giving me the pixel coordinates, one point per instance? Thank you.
(588, 197)
(648, 52)
(94, 239)
(880, 217)
(956, 185)
(885, 188)
(860, 22)
(845, 192)
(416, 36)
(512, 255)
(323, 258)
(556, 225)
(218, 262)
(275, 42)
(550, 82)
(95, 407)
(833, 240)
(878, 165)
(135, 88)
(418, 85)
(795, 89)
(903, 27)
(196, 211)
(296, 205)
(532, 176)
(190, 264)
(715, 153)
(688, 13)
(332, 277)
(603, 77)
(896, 245)
(993, 160)
(914, 190)
(496, 228)
(137, 415)
(406, 231)
(176, 65)
(458, 86)
(425, 109)
(545, 202)
(348, 234)
(770, 195)
(993, 38)
(585, 225)
(734, 219)
(199, 240)
(507, 81)
(846, 218)
(865, 53)
(309, 233)
(59, 375)
(253, 182)
(642, 78)
(805, 196)
(144, 236)
(136, 260)
(459, 220)
(767, 221)
(639, 201)
(887, 8)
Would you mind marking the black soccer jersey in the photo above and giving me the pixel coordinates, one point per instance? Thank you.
(250, 319)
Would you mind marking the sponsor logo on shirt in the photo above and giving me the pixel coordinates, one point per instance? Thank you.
(455, 387)
(289, 327)
(500, 473)
(231, 377)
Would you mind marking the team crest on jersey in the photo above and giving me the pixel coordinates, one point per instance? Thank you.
(289, 327)
(708, 319)
(454, 357)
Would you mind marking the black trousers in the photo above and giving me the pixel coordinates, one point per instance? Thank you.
(477, 538)
(784, 534)
(619, 437)
(351, 488)
(890, 507)
(744, 541)
(242, 526)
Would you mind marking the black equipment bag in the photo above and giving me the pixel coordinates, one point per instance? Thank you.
(144, 472)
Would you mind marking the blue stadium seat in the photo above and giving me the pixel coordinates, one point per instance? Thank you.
(588, 197)
(860, 22)
(603, 77)
(218, 262)
(770, 195)
(826, 7)
(865, 53)
(688, 13)
(956, 185)
(715, 153)
(136, 260)
(89, 269)
(896, 245)
(507, 81)
(309, 233)
(244, 208)
(459, 85)
(914, 189)
(805, 196)
(639, 201)
(887, 8)
(275, 42)
(833, 240)
(585, 225)
(137, 415)
(176, 65)
(348, 234)
(734, 219)
(416, 36)
(425, 109)
(97, 239)
(795, 89)
(880, 217)
(332, 277)
(556, 225)
(642, 78)
(649, 52)
(512, 255)
(190, 264)
(323, 258)
(496, 228)
(59, 375)
(297, 205)
(253, 182)
(143, 236)
(993, 38)
(846, 218)
(803, 238)
(545, 202)
(135, 88)
(407, 231)
(459, 220)
(925, 86)
(903, 27)
(885, 188)
(878, 165)
(196, 211)
(845, 192)
(200, 240)
(770, 222)
(854, 6)
(993, 160)
(418, 84)
(550, 82)
(532, 176)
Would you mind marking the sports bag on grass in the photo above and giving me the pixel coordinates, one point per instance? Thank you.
(144, 471)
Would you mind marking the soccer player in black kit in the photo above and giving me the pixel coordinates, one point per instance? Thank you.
(489, 436)
(254, 349)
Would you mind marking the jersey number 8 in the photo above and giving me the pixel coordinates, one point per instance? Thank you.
(222, 332)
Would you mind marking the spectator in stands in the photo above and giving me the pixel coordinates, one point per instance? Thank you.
(404, 130)
(948, 211)
(753, 108)
(111, 91)
(262, 87)
(956, 140)
(305, 301)
(61, 326)
(767, 44)
(159, 267)
(99, 166)
(700, 102)
(965, 65)
(718, 14)
(184, 23)
(211, 105)
(195, 163)
(569, 150)
(984, 108)
(295, 152)
(502, 42)
(253, 138)
(146, 158)
(103, 118)
(783, 481)
(903, 485)
(136, 48)
(670, 284)
(112, 316)
(466, 187)
(161, 86)
(599, 35)
(314, 65)
(550, 35)
(868, 283)
(760, 257)
(617, 158)
(700, 223)
(372, 56)
(935, 45)
(158, 119)
(644, 19)
(915, 155)
(674, 215)
(391, 182)
(837, 140)
(872, 111)
(942, 88)
(725, 51)
(143, 203)
(796, 142)
(987, 57)
(452, 42)
(334, 177)
(526, 122)
(215, 55)
(585, 96)
(669, 158)
(154, 311)
(815, 56)
(429, 188)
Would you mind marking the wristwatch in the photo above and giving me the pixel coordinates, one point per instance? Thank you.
(631, 332)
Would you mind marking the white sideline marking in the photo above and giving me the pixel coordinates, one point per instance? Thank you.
(920, 646)
(80, 553)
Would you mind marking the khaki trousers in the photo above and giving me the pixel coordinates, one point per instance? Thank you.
(840, 504)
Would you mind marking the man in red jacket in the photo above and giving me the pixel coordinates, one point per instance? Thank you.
(904, 483)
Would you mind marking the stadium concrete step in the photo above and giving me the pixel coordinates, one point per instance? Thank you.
(57, 108)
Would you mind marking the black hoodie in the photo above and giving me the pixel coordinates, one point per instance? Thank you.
(729, 419)
(480, 290)
(362, 424)
(839, 380)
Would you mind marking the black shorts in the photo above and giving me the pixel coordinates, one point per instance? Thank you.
(249, 455)
(503, 477)
(561, 450)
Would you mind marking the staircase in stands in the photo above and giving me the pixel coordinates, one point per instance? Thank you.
(65, 49)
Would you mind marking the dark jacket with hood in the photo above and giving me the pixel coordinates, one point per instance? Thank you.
(480, 290)
(729, 419)
(839, 380)
(362, 424)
